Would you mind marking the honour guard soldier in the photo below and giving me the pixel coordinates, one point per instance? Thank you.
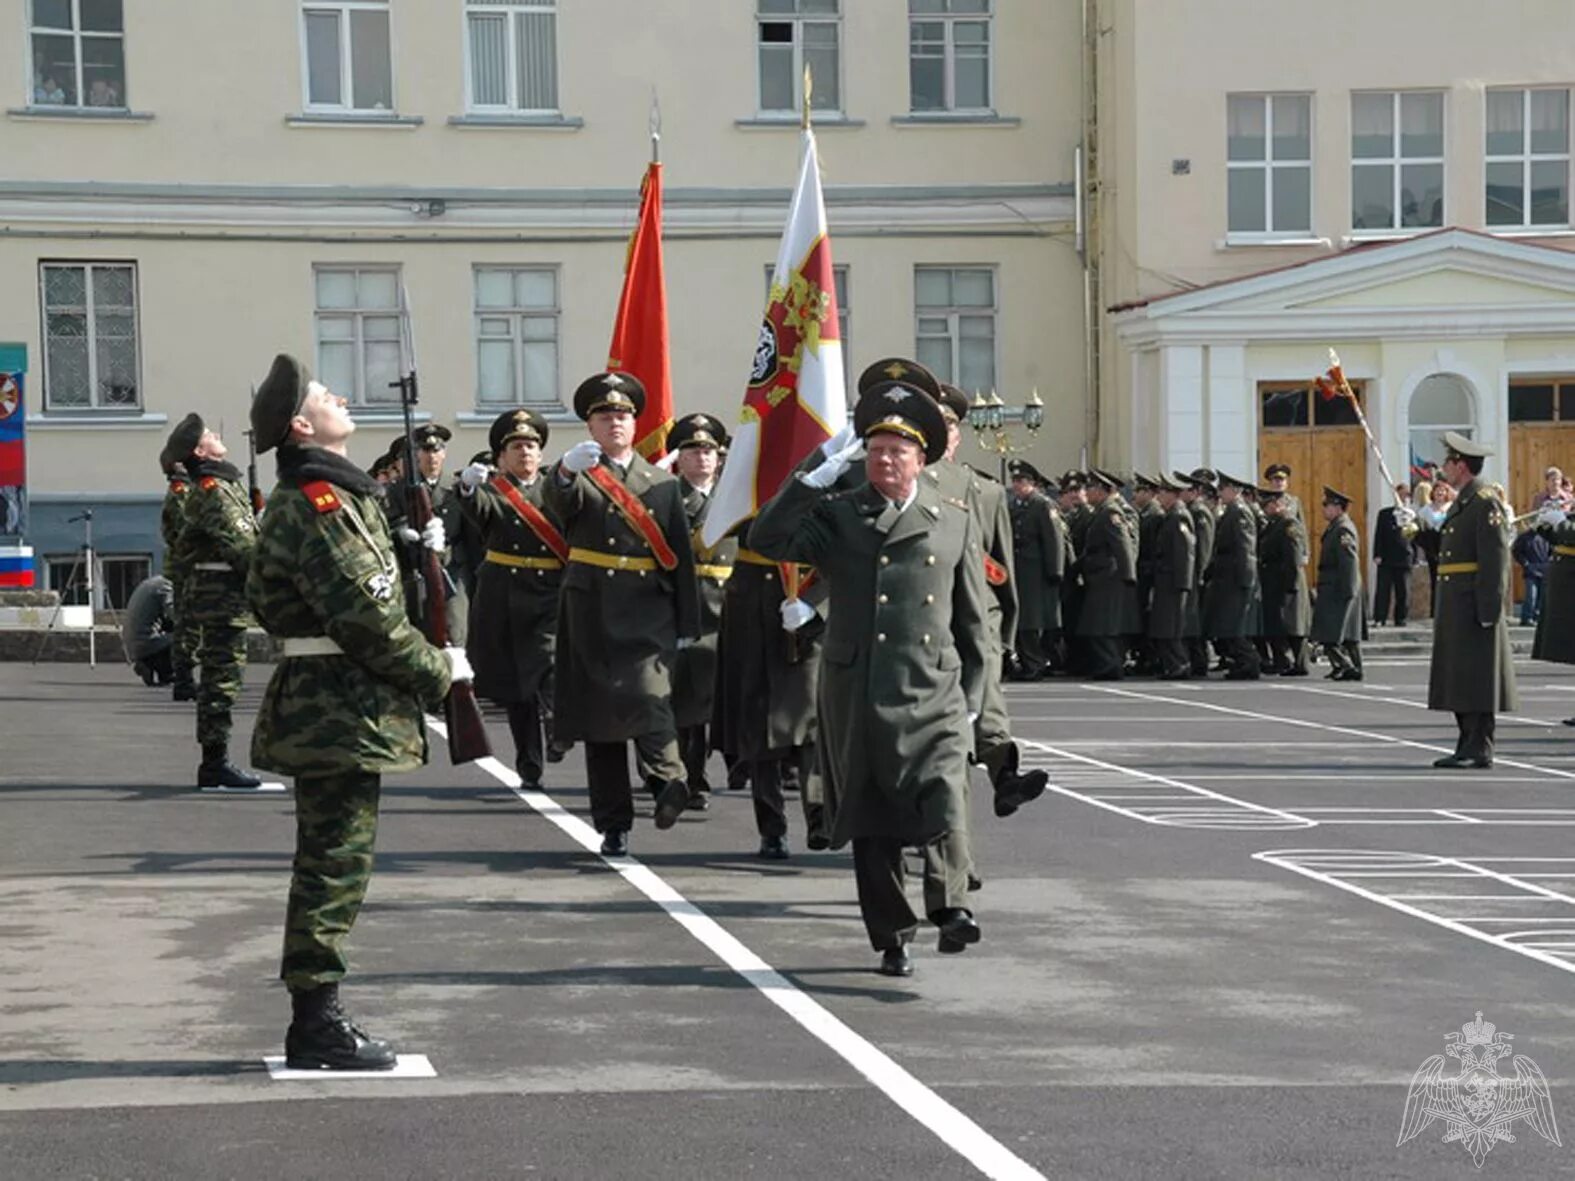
(171, 518)
(515, 613)
(1109, 571)
(1472, 673)
(1199, 489)
(431, 444)
(1338, 606)
(1149, 518)
(345, 703)
(1230, 598)
(904, 657)
(699, 441)
(1174, 574)
(1277, 476)
(629, 602)
(1041, 554)
(215, 547)
(1282, 575)
(1555, 636)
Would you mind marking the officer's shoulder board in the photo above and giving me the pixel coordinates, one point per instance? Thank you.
(209, 483)
(178, 487)
(321, 495)
(956, 502)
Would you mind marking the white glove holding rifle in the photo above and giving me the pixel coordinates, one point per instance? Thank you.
(459, 665)
(433, 536)
(795, 614)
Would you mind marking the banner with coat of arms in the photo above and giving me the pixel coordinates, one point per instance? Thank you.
(13, 453)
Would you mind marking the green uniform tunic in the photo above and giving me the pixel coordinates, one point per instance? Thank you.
(1282, 559)
(1337, 612)
(1472, 670)
(1555, 638)
(1173, 571)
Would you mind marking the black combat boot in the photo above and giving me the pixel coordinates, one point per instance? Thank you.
(184, 689)
(1013, 789)
(216, 770)
(322, 1037)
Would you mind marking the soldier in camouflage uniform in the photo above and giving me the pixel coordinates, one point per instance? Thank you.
(345, 704)
(214, 551)
(171, 518)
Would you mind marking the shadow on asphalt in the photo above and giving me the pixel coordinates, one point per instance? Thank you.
(649, 976)
(65, 1070)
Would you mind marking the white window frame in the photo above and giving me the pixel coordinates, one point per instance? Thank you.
(511, 10)
(1396, 162)
(1526, 158)
(343, 9)
(949, 57)
(1268, 165)
(953, 314)
(358, 315)
(76, 33)
(798, 20)
(517, 315)
(88, 266)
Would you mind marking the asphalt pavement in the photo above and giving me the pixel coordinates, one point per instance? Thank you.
(1219, 947)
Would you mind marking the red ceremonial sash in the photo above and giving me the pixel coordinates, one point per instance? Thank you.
(633, 510)
(532, 516)
(994, 572)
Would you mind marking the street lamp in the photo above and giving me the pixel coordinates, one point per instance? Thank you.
(988, 420)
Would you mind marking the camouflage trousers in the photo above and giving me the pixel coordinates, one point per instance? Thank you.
(216, 611)
(183, 652)
(335, 831)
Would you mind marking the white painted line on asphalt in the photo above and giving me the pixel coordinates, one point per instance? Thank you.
(1513, 719)
(405, 1066)
(1368, 780)
(956, 1130)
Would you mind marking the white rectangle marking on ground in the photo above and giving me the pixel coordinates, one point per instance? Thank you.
(405, 1066)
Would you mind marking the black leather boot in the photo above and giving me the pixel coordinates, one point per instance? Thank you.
(322, 1037)
(216, 770)
(184, 689)
(1013, 789)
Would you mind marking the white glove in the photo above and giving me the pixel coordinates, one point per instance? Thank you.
(434, 536)
(686, 642)
(795, 614)
(1551, 516)
(838, 442)
(582, 457)
(459, 665)
(831, 471)
(667, 461)
(473, 476)
(1405, 516)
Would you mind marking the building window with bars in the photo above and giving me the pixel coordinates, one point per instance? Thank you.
(794, 34)
(949, 55)
(357, 318)
(78, 53)
(1269, 165)
(90, 336)
(115, 576)
(955, 311)
(516, 337)
(1528, 158)
(511, 60)
(349, 66)
(1397, 160)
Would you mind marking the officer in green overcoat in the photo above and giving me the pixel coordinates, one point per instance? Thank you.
(345, 704)
(1555, 636)
(1472, 673)
(1231, 597)
(431, 445)
(1041, 553)
(1150, 516)
(904, 656)
(1282, 574)
(1338, 604)
(1109, 570)
(172, 516)
(1173, 570)
(1198, 491)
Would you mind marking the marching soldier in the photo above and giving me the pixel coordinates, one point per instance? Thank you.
(904, 657)
(515, 612)
(699, 441)
(1337, 608)
(1109, 570)
(171, 518)
(1174, 574)
(1041, 553)
(1555, 636)
(431, 444)
(1231, 595)
(1472, 673)
(344, 705)
(1277, 476)
(1282, 574)
(215, 547)
(1200, 486)
(628, 604)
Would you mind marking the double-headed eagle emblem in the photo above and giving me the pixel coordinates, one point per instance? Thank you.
(1478, 1106)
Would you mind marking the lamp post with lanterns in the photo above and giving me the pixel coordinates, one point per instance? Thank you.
(988, 419)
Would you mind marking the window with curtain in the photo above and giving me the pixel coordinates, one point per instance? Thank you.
(90, 336)
(348, 63)
(1527, 153)
(794, 34)
(512, 55)
(949, 55)
(516, 336)
(1397, 160)
(954, 313)
(1269, 164)
(78, 53)
(357, 318)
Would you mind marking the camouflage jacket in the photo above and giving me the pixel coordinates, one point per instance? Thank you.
(325, 566)
(219, 525)
(172, 517)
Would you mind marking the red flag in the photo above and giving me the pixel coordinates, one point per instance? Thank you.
(639, 339)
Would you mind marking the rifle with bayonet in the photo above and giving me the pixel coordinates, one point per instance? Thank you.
(253, 489)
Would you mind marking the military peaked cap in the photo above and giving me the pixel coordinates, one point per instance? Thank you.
(513, 424)
(430, 436)
(896, 408)
(697, 430)
(1229, 481)
(615, 390)
(1265, 495)
(1458, 444)
(1022, 469)
(1330, 496)
(900, 371)
(954, 402)
(1145, 483)
(278, 400)
(1276, 469)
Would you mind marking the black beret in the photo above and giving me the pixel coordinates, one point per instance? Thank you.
(954, 401)
(183, 440)
(278, 400)
(616, 390)
(897, 408)
(901, 371)
(697, 430)
(515, 424)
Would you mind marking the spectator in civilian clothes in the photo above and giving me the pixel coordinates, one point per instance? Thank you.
(1392, 549)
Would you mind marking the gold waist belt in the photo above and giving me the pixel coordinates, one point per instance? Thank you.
(1459, 568)
(501, 559)
(592, 557)
(755, 559)
(721, 572)
(1565, 551)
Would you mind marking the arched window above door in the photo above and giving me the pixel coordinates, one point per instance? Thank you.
(1441, 402)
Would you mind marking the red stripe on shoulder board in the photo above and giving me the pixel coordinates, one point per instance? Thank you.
(322, 495)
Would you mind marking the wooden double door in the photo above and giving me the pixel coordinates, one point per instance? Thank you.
(1335, 456)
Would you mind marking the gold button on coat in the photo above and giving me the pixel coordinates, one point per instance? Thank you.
(881, 599)
(880, 637)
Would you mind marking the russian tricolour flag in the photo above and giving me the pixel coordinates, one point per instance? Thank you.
(16, 565)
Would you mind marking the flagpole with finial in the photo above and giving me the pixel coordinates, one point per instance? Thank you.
(656, 128)
(809, 87)
(792, 573)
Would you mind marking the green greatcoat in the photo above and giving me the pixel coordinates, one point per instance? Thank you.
(1472, 669)
(1174, 572)
(1041, 553)
(1282, 559)
(1555, 639)
(1337, 610)
(331, 572)
(1231, 595)
(694, 671)
(446, 508)
(904, 655)
(1109, 567)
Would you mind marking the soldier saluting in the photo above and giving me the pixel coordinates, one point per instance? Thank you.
(345, 703)
(1472, 674)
